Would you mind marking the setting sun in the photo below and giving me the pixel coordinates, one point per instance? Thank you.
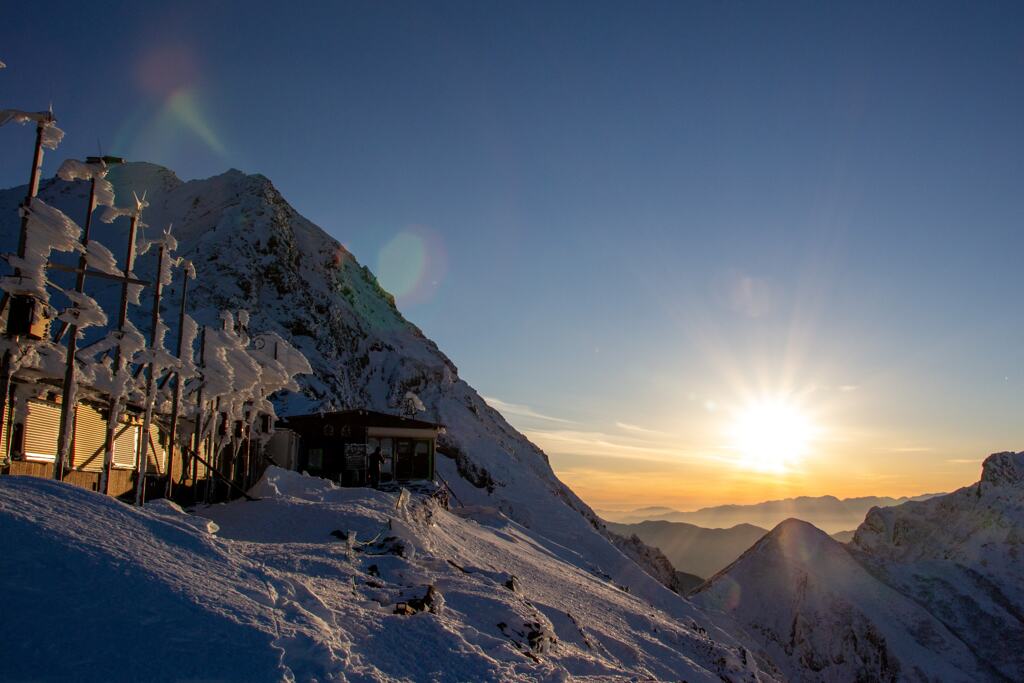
(770, 436)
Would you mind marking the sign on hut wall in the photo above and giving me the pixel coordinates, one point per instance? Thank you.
(355, 456)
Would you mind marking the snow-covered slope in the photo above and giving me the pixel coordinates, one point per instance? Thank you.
(930, 590)
(307, 584)
(253, 251)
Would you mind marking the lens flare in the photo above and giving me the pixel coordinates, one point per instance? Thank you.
(412, 265)
(170, 108)
(183, 106)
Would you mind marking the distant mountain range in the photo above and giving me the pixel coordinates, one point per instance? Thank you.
(691, 548)
(828, 513)
(925, 591)
(844, 536)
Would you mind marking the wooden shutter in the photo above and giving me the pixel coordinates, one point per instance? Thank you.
(42, 425)
(90, 439)
(126, 446)
(156, 454)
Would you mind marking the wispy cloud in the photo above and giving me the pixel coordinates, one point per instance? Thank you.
(594, 443)
(640, 430)
(847, 388)
(964, 461)
(911, 449)
(506, 408)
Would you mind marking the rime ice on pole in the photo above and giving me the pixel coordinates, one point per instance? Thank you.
(52, 135)
(49, 229)
(72, 170)
(244, 377)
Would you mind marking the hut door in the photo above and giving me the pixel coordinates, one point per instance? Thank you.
(403, 459)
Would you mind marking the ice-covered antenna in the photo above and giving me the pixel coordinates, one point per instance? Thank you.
(140, 204)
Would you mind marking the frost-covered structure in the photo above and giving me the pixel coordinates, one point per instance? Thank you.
(117, 368)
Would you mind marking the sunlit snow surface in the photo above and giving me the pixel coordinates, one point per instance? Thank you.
(96, 590)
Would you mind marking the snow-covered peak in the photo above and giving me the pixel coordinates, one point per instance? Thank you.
(927, 590)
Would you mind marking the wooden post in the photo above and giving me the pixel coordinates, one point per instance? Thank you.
(176, 400)
(147, 420)
(197, 443)
(33, 190)
(68, 405)
(122, 316)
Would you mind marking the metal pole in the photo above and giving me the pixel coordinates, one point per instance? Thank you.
(177, 392)
(68, 405)
(33, 190)
(147, 421)
(122, 316)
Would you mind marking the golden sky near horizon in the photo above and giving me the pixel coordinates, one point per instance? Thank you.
(757, 449)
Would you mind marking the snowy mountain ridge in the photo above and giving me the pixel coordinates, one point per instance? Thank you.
(828, 513)
(927, 590)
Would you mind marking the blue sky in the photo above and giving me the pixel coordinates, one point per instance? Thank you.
(633, 215)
